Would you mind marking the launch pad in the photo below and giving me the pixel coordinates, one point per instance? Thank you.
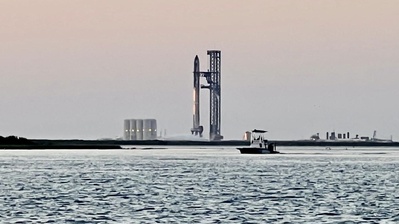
(213, 83)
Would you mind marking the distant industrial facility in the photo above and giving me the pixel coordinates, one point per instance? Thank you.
(346, 136)
(140, 129)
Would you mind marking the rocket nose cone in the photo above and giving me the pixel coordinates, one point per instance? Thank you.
(196, 63)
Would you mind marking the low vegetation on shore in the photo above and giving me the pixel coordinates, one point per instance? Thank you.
(14, 140)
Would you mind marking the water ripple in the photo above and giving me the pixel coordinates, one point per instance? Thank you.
(213, 187)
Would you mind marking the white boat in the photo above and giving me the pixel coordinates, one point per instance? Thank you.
(259, 145)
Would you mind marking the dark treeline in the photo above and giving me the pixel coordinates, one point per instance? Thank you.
(13, 140)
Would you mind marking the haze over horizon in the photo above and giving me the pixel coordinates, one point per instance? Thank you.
(77, 69)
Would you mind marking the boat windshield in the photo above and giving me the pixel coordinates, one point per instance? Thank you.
(257, 136)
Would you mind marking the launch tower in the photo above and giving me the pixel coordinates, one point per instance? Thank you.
(213, 79)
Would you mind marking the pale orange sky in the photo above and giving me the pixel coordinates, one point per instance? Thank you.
(76, 69)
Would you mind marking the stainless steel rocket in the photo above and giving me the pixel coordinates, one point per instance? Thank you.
(197, 128)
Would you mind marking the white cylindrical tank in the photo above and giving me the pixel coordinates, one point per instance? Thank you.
(247, 136)
(147, 129)
(153, 129)
(133, 131)
(139, 129)
(126, 130)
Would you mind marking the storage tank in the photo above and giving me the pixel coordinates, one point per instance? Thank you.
(150, 129)
(153, 129)
(133, 129)
(146, 129)
(139, 129)
(247, 136)
(126, 129)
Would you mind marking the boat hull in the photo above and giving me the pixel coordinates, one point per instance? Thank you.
(250, 150)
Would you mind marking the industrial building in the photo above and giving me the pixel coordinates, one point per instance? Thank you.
(140, 129)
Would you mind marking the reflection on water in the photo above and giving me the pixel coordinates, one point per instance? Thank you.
(215, 185)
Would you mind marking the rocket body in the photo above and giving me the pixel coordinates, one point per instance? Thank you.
(197, 129)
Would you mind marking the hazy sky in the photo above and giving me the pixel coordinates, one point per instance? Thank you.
(76, 69)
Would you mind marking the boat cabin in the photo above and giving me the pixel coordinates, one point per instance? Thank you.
(258, 139)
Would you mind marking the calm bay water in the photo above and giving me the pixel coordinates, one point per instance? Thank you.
(204, 185)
